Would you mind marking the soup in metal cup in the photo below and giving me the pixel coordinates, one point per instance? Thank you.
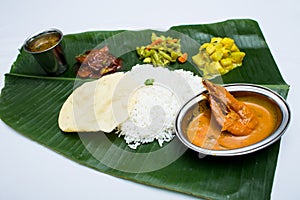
(46, 48)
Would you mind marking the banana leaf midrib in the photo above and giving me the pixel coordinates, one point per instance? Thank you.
(270, 86)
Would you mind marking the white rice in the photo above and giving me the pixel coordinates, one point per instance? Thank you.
(153, 109)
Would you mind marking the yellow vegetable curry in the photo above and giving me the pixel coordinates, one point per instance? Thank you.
(218, 57)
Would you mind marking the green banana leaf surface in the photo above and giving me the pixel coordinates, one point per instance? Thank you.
(31, 100)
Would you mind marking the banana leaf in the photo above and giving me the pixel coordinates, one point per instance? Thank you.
(31, 100)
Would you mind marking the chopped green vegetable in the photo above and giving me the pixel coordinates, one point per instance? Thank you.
(149, 81)
(162, 51)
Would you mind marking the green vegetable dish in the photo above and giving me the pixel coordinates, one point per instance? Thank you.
(162, 51)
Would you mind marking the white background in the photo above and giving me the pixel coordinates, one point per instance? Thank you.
(31, 171)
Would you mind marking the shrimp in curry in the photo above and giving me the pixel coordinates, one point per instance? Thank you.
(230, 122)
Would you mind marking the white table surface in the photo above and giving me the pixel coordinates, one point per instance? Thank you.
(31, 171)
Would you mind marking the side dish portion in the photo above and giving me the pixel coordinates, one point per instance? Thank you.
(162, 51)
(218, 57)
(97, 62)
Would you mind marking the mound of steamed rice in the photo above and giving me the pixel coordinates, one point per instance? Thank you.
(153, 108)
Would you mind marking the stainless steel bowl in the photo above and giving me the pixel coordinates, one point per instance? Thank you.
(186, 114)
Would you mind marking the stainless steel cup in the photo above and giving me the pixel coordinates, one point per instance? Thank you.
(46, 47)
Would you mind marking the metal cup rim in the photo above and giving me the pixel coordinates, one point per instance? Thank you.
(37, 34)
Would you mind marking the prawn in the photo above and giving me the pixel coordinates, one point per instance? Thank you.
(232, 115)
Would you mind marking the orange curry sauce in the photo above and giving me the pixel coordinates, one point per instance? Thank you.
(205, 132)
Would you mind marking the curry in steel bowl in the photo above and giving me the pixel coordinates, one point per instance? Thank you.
(232, 120)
